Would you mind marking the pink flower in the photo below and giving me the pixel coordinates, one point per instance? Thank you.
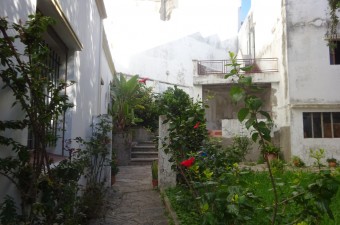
(197, 125)
(143, 80)
(188, 163)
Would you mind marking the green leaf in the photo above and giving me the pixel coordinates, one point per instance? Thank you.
(233, 209)
(245, 80)
(242, 114)
(250, 123)
(255, 136)
(236, 93)
(265, 114)
(228, 75)
(255, 103)
(247, 68)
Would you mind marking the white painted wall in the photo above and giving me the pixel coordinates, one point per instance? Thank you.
(294, 33)
(106, 74)
(269, 42)
(86, 22)
(301, 145)
(86, 67)
(313, 81)
(13, 10)
(163, 50)
(312, 78)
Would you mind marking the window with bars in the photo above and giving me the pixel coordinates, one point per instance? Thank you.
(321, 124)
(56, 64)
(334, 52)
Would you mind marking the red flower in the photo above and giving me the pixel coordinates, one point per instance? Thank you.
(187, 163)
(143, 80)
(197, 125)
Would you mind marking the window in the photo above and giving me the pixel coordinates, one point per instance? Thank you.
(334, 52)
(56, 63)
(321, 124)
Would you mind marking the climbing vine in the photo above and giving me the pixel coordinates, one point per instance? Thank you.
(334, 5)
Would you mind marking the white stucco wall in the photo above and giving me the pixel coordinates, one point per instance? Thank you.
(301, 146)
(312, 78)
(86, 67)
(13, 10)
(107, 77)
(293, 32)
(86, 22)
(269, 42)
(313, 81)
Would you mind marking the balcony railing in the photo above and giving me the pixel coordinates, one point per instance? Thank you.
(260, 65)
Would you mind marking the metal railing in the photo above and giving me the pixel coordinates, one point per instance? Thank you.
(260, 65)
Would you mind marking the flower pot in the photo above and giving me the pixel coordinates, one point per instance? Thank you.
(332, 164)
(113, 179)
(154, 183)
(270, 156)
(296, 163)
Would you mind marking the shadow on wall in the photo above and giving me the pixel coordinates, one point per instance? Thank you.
(86, 22)
(16, 10)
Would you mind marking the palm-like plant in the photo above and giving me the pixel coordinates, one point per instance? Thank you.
(124, 101)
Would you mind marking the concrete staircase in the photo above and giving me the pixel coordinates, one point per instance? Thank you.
(143, 153)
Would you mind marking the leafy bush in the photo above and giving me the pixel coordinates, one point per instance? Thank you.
(305, 197)
(184, 205)
(221, 192)
(297, 161)
(147, 109)
(277, 165)
(187, 129)
(239, 148)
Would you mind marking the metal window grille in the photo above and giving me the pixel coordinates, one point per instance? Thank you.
(316, 128)
(53, 72)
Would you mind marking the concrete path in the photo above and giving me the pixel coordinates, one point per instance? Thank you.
(132, 201)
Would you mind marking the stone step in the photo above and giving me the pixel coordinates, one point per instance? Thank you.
(142, 161)
(141, 154)
(143, 148)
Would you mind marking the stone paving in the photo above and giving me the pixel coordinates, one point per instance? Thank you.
(132, 200)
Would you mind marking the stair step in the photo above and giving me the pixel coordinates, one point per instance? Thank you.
(139, 148)
(142, 161)
(146, 142)
(144, 155)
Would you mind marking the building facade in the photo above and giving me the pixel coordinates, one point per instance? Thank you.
(297, 70)
(78, 42)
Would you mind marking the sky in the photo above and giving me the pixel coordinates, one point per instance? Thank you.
(244, 9)
(135, 26)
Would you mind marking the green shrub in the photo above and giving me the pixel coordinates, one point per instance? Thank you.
(239, 148)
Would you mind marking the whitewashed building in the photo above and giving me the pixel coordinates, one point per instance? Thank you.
(80, 41)
(286, 40)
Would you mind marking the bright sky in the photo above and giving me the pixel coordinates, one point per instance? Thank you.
(244, 9)
(134, 26)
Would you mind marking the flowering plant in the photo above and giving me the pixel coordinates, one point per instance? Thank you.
(189, 162)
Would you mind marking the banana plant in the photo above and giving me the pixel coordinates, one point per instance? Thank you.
(124, 101)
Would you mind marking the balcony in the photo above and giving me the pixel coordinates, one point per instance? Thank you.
(260, 65)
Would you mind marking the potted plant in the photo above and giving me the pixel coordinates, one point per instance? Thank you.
(154, 173)
(270, 152)
(114, 171)
(332, 162)
(297, 161)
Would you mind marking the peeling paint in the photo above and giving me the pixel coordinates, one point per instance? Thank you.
(318, 22)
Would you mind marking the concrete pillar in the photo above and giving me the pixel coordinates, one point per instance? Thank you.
(166, 176)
